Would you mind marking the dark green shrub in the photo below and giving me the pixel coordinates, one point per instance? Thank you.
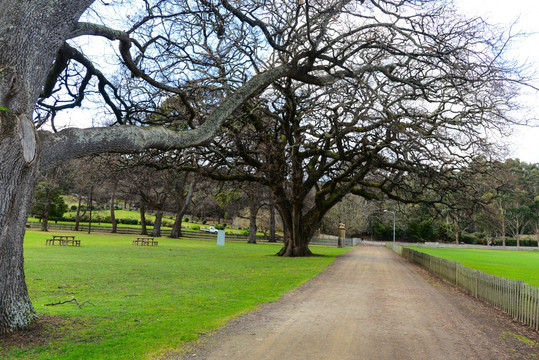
(467, 238)
(128, 221)
(421, 230)
(513, 242)
(445, 231)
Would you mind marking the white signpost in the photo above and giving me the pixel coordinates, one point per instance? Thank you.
(221, 237)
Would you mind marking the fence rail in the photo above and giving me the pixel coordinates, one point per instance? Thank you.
(518, 299)
(324, 240)
(186, 233)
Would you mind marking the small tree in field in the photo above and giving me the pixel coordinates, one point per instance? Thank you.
(48, 204)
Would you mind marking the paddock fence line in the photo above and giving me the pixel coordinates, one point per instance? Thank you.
(165, 232)
(332, 240)
(516, 298)
(324, 240)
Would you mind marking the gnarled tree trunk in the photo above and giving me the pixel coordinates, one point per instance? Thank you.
(156, 231)
(143, 228)
(253, 210)
(18, 180)
(182, 203)
(301, 228)
(297, 242)
(272, 237)
(46, 211)
(30, 35)
(176, 231)
(112, 212)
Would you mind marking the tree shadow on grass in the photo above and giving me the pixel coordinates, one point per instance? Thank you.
(43, 331)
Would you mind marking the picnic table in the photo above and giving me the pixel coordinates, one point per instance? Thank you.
(63, 240)
(145, 241)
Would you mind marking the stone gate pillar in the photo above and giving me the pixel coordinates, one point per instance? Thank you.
(342, 235)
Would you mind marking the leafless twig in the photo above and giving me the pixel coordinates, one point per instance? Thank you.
(68, 301)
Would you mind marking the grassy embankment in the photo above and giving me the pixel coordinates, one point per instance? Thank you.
(141, 301)
(517, 265)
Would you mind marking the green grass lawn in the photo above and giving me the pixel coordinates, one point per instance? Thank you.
(517, 265)
(119, 214)
(146, 300)
(126, 214)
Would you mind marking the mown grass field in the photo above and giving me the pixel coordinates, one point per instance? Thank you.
(167, 220)
(143, 301)
(120, 214)
(517, 265)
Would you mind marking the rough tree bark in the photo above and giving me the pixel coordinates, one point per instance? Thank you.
(46, 211)
(503, 229)
(77, 217)
(299, 234)
(176, 231)
(156, 231)
(112, 212)
(253, 210)
(300, 225)
(90, 206)
(25, 58)
(157, 200)
(272, 237)
(18, 180)
(142, 210)
(517, 232)
(182, 203)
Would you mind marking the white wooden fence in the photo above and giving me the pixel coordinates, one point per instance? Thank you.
(518, 299)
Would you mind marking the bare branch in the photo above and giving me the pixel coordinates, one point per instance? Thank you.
(68, 301)
(74, 143)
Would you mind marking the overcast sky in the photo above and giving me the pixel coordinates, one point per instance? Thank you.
(526, 12)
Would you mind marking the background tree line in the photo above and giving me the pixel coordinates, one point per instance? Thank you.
(501, 202)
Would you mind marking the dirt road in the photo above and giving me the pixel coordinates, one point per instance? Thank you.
(371, 304)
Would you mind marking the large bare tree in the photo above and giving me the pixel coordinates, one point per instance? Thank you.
(213, 55)
(417, 102)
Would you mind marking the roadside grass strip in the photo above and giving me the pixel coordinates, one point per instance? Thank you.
(516, 265)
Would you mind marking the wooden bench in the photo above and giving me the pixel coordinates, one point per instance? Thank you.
(72, 242)
(63, 240)
(145, 241)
